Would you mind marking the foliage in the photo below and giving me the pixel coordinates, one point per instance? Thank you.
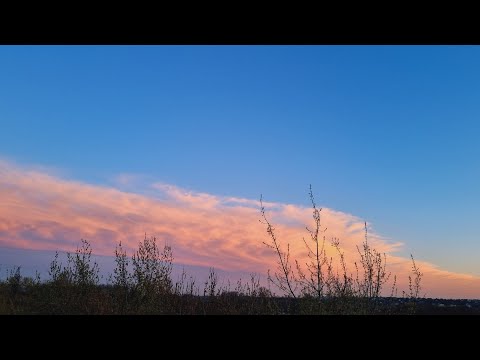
(143, 284)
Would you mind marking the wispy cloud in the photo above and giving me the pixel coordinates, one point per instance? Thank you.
(43, 211)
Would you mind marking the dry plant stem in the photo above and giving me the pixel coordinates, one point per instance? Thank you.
(314, 236)
(283, 258)
(337, 290)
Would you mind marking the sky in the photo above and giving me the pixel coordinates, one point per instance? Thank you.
(111, 142)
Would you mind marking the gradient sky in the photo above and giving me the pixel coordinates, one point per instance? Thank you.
(385, 134)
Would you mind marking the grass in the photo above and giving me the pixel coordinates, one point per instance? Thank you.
(143, 284)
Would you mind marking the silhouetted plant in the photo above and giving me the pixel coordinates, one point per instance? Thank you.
(121, 280)
(83, 272)
(283, 277)
(152, 271)
(142, 283)
(319, 287)
(13, 280)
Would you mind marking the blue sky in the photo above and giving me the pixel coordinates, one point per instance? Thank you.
(387, 133)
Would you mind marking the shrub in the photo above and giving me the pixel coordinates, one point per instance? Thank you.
(318, 287)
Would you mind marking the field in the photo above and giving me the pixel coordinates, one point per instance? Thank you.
(143, 284)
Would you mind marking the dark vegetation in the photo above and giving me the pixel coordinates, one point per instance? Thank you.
(143, 284)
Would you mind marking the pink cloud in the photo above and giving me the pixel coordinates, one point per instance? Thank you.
(43, 211)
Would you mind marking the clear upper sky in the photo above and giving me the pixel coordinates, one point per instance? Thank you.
(387, 133)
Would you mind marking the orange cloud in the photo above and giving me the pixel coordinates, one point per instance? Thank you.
(42, 211)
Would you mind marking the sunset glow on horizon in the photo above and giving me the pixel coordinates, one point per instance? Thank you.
(44, 212)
